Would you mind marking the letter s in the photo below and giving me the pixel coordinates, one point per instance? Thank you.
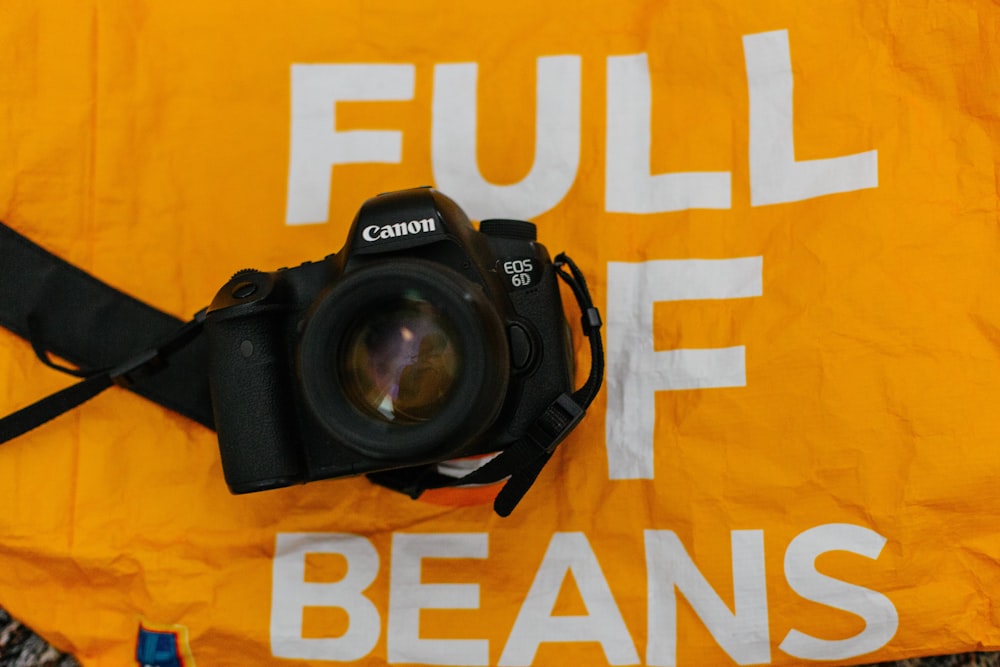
(878, 612)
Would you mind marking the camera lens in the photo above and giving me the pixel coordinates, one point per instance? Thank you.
(401, 359)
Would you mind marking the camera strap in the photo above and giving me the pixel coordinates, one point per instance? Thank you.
(108, 336)
(522, 462)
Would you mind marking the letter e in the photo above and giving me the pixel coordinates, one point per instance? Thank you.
(407, 596)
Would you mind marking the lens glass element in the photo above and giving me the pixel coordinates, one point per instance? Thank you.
(400, 360)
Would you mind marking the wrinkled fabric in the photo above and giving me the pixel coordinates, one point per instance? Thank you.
(787, 214)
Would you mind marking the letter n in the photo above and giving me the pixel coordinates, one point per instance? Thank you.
(742, 633)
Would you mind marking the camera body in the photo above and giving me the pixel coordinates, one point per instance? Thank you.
(421, 340)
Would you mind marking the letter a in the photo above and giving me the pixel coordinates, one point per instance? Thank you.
(603, 623)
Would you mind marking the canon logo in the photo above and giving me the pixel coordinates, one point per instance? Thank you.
(376, 232)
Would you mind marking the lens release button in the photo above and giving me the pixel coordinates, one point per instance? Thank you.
(520, 347)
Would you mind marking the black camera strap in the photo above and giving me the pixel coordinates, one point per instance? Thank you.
(108, 336)
(522, 461)
(125, 375)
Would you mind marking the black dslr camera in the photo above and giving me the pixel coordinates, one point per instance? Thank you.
(422, 340)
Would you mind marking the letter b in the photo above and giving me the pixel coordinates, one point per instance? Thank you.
(292, 593)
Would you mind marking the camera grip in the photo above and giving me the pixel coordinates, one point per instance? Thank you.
(250, 399)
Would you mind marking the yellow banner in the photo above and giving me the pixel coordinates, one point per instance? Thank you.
(787, 214)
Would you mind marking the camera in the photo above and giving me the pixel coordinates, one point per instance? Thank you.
(422, 340)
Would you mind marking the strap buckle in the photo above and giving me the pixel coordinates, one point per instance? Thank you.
(136, 368)
(553, 425)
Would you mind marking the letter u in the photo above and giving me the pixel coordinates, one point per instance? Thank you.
(557, 141)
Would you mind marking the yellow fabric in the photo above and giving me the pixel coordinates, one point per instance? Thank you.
(150, 144)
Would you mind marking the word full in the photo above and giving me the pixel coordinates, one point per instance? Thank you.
(775, 175)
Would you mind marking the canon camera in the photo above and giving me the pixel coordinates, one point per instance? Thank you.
(421, 340)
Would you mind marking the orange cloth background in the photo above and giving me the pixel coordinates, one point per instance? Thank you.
(148, 143)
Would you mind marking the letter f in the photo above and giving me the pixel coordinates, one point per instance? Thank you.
(316, 145)
(636, 371)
